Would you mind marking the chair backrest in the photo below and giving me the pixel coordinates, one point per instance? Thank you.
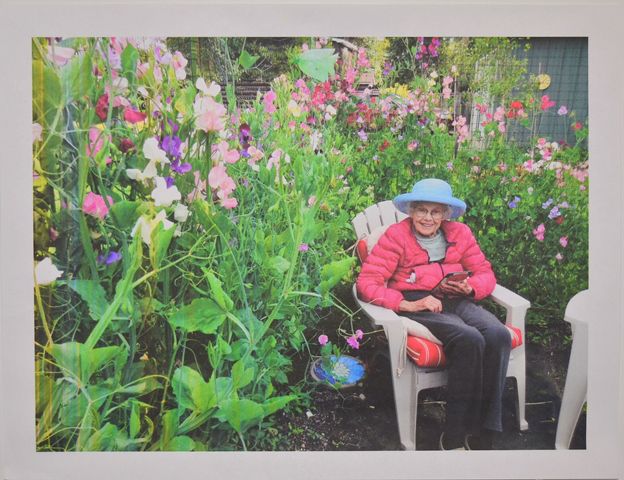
(372, 222)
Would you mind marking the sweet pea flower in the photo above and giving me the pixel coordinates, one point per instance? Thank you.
(359, 334)
(304, 247)
(178, 62)
(37, 130)
(559, 257)
(152, 151)
(221, 152)
(228, 203)
(46, 272)
(133, 116)
(96, 143)
(140, 176)
(323, 339)
(362, 135)
(144, 226)
(212, 91)
(163, 195)
(546, 103)
(514, 202)
(563, 241)
(112, 257)
(563, 110)
(539, 232)
(353, 343)
(547, 203)
(199, 189)
(554, 213)
(268, 99)
(294, 108)
(59, 55)
(181, 213)
(210, 115)
(254, 156)
(94, 205)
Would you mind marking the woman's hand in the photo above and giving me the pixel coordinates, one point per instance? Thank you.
(462, 288)
(429, 303)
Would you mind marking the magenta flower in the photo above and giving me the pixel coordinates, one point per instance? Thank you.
(563, 241)
(133, 116)
(353, 343)
(304, 247)
(359, 334)
(95, 205)
(539, 232)
(546, 103)
(323, 339)
(269, 98)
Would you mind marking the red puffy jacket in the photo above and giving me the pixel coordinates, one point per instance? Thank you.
(403, 264)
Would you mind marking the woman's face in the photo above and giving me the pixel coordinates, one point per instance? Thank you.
(427, 217)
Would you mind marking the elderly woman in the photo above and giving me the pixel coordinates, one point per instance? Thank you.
(405, 272)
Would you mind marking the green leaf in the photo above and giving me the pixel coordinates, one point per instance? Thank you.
(332, 273)
(160, 240)
(77, 360)
(246, 60)
(241, 376)
(44, 391)
(190, 390)
(184, 100)
(146, 385)
(169, 424)
(279, 265)
(277, 403)
(77, 77)
(202, 315)
(222, 298)
(181, 443)
(135, 418)
(129, 59)
(240, 414)
(317, 63)
(126, 213)
(102, 440)
(92, 294)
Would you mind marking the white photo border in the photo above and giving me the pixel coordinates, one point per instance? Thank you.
(605, 421)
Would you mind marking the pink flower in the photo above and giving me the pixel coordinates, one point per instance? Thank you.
(96, 143)
(210, 115)
(269, 98)
(563, 241)
(60, 55)
(499, 114)
(178, 62)
(559, 256)
(359, 334)
(200, 188)
(133, 116)
(311, 200)
(546, 103)
(539, 232)
(221, 152)
(323, 339)
(304, 247)
(229, 203)
(350, 76)
(412, 146)
(37, 130)
(94, 204)
(501, 127)
(563, 110)
(482, 108)
(353, 343)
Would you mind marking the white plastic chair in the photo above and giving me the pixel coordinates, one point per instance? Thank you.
(409, 380)
(575, 391)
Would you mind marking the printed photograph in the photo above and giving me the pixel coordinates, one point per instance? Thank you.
(310, 243)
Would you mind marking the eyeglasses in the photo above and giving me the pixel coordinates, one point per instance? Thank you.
(436, 214)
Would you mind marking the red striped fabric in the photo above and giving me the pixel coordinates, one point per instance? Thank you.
(425, 353)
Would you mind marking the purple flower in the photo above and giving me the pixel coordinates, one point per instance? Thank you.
(169, 181)
(564, 205)
(359, 334)
(514, 202)
(563, 110)
(554, 213)
(181, 168)
(362, 135)
(547, 203)
(449, 165)
(112, 257)
(172, 145)
(388, 67)
(304, 247)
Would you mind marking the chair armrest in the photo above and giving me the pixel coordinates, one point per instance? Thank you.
(515, 305)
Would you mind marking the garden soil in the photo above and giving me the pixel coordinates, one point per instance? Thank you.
(363, 417)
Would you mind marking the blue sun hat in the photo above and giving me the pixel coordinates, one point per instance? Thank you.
(430, 190)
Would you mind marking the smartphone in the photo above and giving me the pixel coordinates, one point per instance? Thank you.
(457, 276)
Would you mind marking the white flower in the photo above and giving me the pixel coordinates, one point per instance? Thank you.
(294, 108)
(46, 272)
(144, 226)
(181, 213)
(212, 90)
(36, 130)
(153, 152)
(163, 196)
(138, 175)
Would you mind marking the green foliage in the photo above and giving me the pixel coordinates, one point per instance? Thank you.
(317, 63)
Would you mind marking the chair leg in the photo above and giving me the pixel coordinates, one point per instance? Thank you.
(406, 399)
(521, 403)
(575, 390)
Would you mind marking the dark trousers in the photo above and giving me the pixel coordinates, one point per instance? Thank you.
(476, 345)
